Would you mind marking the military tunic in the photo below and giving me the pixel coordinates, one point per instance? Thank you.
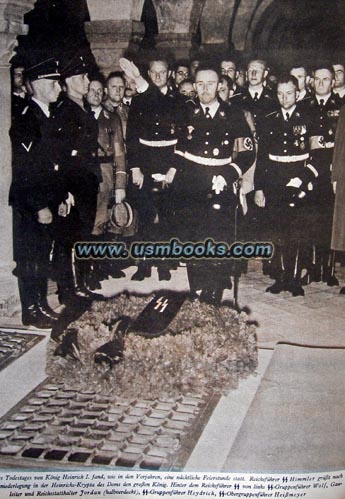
(338, 176)
(286, 175)
(324, 120)
(259, 108)
(211, 155)
(38, 183)
(78, 142)
(38, 179)
(151, 139)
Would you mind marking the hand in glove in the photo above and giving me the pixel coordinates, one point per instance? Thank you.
(138, 177)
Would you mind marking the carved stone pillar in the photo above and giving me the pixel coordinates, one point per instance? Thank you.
(177, 22)
(215, 24)
(114, 28)
(11, 25)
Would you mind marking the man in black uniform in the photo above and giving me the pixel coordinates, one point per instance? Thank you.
(19, 97)
(301, 74)
(78, 142)
(339, 80)
(207, 172)
(324, 110)
(37, 192)
(151, 137)
(283, 176)
(256, 97)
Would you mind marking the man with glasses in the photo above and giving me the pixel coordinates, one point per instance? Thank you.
(180, 73)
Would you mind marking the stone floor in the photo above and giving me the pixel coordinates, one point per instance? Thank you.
(317, 319)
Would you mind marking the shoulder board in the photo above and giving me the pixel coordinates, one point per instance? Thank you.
(274, 113)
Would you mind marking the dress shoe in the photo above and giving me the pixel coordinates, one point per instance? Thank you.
(69, 297)
(116, 273)
(82, 292)
(295, 289)
(93, 281)
(47, 310)
(141, 273)
(329, 278)
(33, 316)
(315, 273)
(163, 274)
(276, 288)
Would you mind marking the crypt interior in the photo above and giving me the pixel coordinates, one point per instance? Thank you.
(289, 330)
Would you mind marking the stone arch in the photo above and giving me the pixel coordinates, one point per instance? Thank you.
(297, 29)
(257, 14)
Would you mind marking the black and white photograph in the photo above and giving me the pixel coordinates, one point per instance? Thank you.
(172, 256)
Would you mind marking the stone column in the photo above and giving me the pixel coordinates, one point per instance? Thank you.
(215, 24)
(11, 25)
(247, 17)
(177, 22)
(114, 28)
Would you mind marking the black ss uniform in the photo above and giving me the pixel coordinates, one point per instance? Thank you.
(258, 107)
(78, 144)
(151, 139)
(283, 159)
(38, 182)
(324, 120)
(205, 195)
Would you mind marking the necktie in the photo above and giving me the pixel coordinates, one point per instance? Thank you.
(207, 112)
(256, 97)
(322, 103)
(287, 117)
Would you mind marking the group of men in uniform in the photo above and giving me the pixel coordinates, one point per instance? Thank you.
(181, 161)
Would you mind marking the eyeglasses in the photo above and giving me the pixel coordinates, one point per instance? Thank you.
(158, 73)
(183, 73)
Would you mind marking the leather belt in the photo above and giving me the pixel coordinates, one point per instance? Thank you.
(289, 159)
(158, 143)
(200, 160)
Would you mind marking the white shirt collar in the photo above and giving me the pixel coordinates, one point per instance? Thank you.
(21, 94)
(253, 92)
(164, 90)
(288, 111)
(43, 106)
(324, 98)
(213, 108)
(97, 111)
(127, 101)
